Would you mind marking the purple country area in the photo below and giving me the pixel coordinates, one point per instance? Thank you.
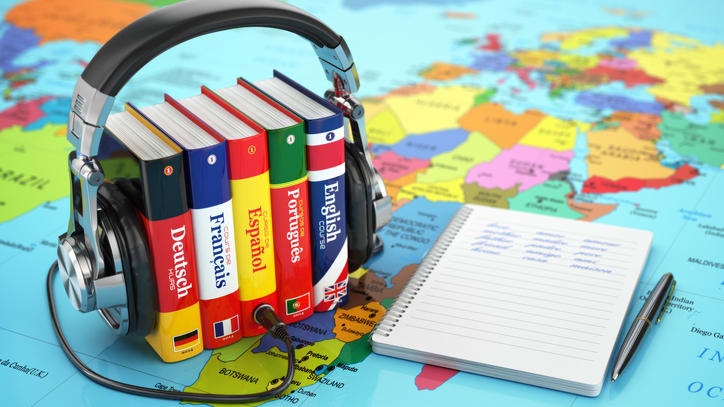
(306, 332)
(615, 102)
(55, 111)
(425, 146)
(635, 39)
(492, 62)
(13, 42)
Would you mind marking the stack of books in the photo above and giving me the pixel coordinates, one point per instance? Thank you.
(241, 191)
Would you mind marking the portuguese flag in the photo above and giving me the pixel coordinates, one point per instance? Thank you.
(298, 304)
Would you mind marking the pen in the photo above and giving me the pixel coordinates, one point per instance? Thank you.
(663, 290)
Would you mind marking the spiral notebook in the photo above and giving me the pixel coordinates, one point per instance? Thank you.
(519, 296)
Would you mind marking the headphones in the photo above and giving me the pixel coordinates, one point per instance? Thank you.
(104, 257)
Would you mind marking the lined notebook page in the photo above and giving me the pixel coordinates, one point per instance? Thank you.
(518, 292)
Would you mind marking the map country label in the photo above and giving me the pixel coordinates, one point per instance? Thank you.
(500, 125)
(494, 197)
(442, 71)
(548, 198)
(427, 145)
(457, 162)
(701, 142)
(78, 20)
(521, 166)
(34, 168)
(438, 110)
(438, 191)
(591, 210)
(554, 134)
(601, 185)
(352, 324)
(252, 372)
(614, 153)
(392, 166)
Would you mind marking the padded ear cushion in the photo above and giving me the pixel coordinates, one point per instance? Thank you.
(133, 246)
(360, 207)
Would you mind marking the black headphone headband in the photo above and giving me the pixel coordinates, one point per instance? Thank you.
(138, 43)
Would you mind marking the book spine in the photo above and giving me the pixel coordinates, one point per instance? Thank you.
(207, 175)
(167, 219)
(325, 155)
(290, 214)
(325, 163)
(177, 334)
(249, 179)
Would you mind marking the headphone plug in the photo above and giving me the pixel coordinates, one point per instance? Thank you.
(265, 316)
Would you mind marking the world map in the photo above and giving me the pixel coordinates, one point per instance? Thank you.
(572, 109)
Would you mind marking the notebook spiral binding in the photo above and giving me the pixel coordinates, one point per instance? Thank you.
(415, 284)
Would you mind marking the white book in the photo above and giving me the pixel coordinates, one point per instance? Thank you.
(519, 296)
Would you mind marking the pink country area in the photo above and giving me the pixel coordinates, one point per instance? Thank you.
(618, 63)
(22, 113)
(431, 377)
(522, 165)
(392, 165)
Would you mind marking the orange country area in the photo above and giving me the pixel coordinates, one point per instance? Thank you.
(96, 20)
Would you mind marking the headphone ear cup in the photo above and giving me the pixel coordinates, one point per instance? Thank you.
(135, 260)
(360, 207)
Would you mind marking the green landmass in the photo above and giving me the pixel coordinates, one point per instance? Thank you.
(703, 142)
(548, 198)
(34, 168)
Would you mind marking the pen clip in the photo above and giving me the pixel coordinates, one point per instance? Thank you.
(668, 300)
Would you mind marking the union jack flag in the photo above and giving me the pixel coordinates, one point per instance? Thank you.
(335, 292)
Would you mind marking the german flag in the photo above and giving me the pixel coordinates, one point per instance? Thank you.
(185, 341)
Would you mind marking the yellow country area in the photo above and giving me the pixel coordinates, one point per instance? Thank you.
(352, 324)
(442, 71)
(535, 58)
(439, 191)
(686, 68)
(357, 274)
(254, 372)
(578, 39)
(456, 163)
(372, 107)
(95, 20)
(384, 128)
(394, 186)
(555, 134)
(614, 153)
(717, 117)
(34, 168)
(538, 57)
(437, 110)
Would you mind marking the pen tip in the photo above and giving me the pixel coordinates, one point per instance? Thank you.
(614, 377)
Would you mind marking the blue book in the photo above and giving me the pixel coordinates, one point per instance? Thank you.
(209, 194)
(324, 127)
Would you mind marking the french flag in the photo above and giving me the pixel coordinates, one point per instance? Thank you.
(226, 327)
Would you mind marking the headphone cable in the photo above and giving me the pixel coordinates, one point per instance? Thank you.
(262, 314)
